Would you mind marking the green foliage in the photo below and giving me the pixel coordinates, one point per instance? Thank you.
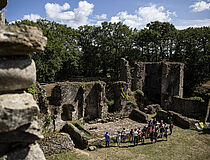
(93, 51)
(123, 94)
(196, 99)
(133, 104)
(139, 93)
(111, 103)
(32, 89)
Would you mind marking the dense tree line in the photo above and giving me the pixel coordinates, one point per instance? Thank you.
(93, 51)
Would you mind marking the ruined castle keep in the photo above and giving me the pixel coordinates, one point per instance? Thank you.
(159, 81)
(18, 110)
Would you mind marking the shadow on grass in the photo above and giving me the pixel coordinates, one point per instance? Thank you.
(205, 131)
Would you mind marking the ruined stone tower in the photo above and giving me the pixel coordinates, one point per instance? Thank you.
(160, 81)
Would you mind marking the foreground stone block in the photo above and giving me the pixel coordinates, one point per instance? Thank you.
(77, 136)
(31, 152)
(25, 134)
(56, 143)
(16, 74)
(21, 40)
(138, 116)
(16, 110)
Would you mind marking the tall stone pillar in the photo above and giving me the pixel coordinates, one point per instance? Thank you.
(125, 74)
(2, 19)
(19, 128)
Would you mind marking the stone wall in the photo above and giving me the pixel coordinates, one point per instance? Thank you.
(190, 108)
(125, 73)
(159, 81)
(78, 100)
(2, 18)
(176, 118)
(120, 96)
(172, 81)
(18, 110)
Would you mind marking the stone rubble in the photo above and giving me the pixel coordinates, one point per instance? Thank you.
(18, 110)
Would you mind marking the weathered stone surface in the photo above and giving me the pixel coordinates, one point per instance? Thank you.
(125, 74)
(153, 108)
(189, 108)
(138, 116)
(28, 133)
(31, 152)
(16, 74)
(162, 115)
(21, 40)
(120, 96)
(41, 99)
(3, 3)
(16, 110)
(182, 121)
(56, 143)
(177, 119)
(78, 137)
(160, 81)
(92, 148)
(172, 82)
(78, 100)
(2, 19)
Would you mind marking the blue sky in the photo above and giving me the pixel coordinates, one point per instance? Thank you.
(134, 13)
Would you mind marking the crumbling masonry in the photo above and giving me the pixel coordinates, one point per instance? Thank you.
(19, 129)
(159, 81)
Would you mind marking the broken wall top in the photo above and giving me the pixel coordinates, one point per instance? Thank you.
(21, 40)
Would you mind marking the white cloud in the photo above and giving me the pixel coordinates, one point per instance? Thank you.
(32, 17)
(102, 16)
(200, 6)
(183, 24)
(75, 18)
(143, 16)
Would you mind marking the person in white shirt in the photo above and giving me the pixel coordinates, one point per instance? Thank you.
(135, 135)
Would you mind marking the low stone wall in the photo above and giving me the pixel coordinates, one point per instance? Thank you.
(138, 116)
(76, 135)
(189, 108)
(177, 119)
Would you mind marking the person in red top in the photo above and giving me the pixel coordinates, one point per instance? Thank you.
(124, 135)
(131, 135)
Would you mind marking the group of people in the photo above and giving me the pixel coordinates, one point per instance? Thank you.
(152, 130)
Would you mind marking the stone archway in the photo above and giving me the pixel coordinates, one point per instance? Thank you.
(67, 110)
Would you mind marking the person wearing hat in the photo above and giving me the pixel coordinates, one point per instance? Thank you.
(107, 138)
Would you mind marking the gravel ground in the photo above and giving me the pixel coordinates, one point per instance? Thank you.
(113, 127)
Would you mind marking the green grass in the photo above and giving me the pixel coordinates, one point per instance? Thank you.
(182, 144)
(67, 156)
